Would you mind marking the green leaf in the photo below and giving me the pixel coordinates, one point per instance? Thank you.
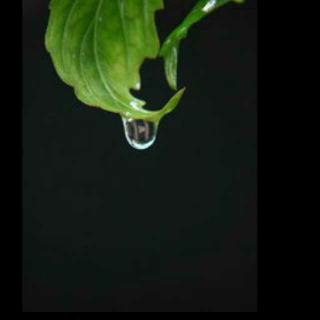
(170, 48)
(98, 46)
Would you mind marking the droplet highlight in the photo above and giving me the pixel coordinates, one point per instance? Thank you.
(141, 134)
(209, 6)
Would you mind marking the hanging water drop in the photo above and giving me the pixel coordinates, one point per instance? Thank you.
(140, 134)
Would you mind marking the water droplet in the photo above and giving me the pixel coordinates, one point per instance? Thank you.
(138, 86)
(209, 6)
(140, 134)
(134, 105)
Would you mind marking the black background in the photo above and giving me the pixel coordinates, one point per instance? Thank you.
(107, 228)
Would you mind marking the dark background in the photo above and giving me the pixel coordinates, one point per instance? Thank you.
(173, 228)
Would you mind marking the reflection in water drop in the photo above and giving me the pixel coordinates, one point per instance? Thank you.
(140, 134)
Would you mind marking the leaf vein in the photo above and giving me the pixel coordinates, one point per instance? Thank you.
(65, 31)
(114, 98)
(125, 36)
